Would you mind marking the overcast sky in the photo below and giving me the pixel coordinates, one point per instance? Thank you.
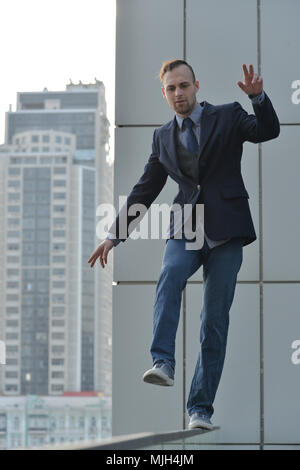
(46, 43)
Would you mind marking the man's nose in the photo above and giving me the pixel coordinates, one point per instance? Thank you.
(178, 92)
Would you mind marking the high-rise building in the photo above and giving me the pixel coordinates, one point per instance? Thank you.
(74, 110)
(55, 311)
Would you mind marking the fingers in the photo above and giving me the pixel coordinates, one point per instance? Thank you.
(93, 258)
(241, 85)
(101, 253)
(248, 75)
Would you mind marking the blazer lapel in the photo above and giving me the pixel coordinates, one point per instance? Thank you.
(169, 141)
(207, 123)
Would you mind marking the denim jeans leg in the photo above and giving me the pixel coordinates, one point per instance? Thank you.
(220, 269)
(177, 266)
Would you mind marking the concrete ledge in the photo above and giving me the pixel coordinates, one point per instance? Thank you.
(129, 441)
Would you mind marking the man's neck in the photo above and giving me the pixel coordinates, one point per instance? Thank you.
(183, 116)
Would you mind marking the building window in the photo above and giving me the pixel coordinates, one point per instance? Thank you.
(13, 184)
(34, 138)
(58, 233)
(61, 209)
(13, 246)
(13, 222)
(57, 375)
(58, 183)
(59, 170)
(12, 259)
(57, 350)
(12, 323)
(58, 311)
(46, 161)
(13, 196)
(58, 299)
(14, 171)
(59, 222)
(12, 272)
(57, 388)
(11, 374)
(59, 195)
(13, 234)
(15, 209)
(12, 298)
(15, 160)
(57, 362)
(59, 247)
(12, 310)
(58, 323)
(58, 259)
(58, 284)
(58, 272)
(12, 285)
(59, 336)
(11, 388)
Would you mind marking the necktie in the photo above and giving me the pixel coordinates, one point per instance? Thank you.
(191, 138)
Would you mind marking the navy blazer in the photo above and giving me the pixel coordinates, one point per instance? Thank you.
(224, 129)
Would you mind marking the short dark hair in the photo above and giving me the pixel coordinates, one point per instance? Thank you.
(172, 64)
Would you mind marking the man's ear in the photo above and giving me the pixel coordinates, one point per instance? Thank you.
(197, 85)
(163, 91)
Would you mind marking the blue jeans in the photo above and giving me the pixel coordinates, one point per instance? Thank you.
(221, 265)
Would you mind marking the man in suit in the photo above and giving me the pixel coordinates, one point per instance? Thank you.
(201, 149)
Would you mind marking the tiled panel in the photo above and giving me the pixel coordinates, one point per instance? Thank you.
(218, 45)
(136, 405)
(148, 33)
(219, 447)
(237, 400)
(280, 50)
(281, 363)
(281, 214)
(278, 447)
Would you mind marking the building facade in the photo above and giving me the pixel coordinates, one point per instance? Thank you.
(55, 311)
(33, 421)
(257, 404)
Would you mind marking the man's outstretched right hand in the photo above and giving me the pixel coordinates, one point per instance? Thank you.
(101, 252)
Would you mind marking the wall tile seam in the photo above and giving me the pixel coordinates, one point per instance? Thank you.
(260, 248)
(257, 282)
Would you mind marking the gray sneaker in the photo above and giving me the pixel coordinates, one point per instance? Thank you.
(197, 420)
(160, 374)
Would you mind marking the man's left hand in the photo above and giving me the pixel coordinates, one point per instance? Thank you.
(253, 83)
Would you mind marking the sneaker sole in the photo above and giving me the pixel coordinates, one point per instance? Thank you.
(157, 378)
(201, 425)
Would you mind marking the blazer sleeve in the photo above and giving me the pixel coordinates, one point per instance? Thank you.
(262, 126)
(144, 192)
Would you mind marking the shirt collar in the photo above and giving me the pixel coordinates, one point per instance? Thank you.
(195, 116)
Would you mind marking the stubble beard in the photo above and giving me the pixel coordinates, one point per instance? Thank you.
(184, 111)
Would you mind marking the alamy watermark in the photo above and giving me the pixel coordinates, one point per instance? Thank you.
(187, 222)
(295, 98)
(295, 357)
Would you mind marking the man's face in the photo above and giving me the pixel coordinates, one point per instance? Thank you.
(180, 91)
